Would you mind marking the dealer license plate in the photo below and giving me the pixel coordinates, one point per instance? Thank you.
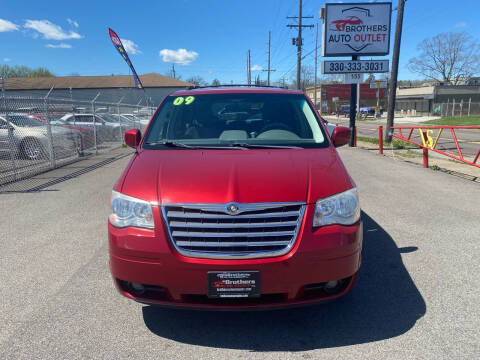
(233, 284)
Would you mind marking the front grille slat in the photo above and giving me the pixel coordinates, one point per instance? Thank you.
(193, 215)
(182, 224)
(231, 243)
(226, 234)
(254, 230)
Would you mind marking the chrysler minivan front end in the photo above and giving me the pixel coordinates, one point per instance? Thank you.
(235, 198)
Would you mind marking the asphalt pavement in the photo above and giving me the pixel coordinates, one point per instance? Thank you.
(416, 297)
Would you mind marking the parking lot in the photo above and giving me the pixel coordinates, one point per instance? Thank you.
(416, 297)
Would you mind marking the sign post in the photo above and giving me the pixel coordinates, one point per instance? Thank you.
(356, 29)
(378, 84)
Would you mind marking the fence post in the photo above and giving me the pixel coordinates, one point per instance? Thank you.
(380, 140)
(11, 148)
(461, 107)
(453, 108)
(95, 124)
(446, 111)
(425, 157)
(120, 121)
(469, 103)
(49, 130)
(138, 112)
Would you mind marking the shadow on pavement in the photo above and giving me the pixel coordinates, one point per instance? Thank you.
(44, 179)
(383, 304)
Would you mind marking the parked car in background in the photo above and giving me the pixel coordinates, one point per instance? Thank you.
(105, 130)
(367, 111)
(28, 138)
(330, 127)
(142, 119)
(343, 110)
(85, 134)
(235, 198)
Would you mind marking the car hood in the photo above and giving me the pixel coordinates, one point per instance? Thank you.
(244, 176)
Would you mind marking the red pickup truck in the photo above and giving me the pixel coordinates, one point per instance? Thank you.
(235, 198)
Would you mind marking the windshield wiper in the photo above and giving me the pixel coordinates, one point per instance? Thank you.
(170, 144)
(264, 146)
(182, 145)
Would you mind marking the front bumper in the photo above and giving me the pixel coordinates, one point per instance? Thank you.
(148, 257)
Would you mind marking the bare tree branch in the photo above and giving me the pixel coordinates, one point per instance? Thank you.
(448, 57)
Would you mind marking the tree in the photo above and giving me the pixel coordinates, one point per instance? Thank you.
(331, 79)
(448, 57)
(197, 80)
(369, 78)
(7, 71)
(307, 78)
(414, 83)
(216, 82)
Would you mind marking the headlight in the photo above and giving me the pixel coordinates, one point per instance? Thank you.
(129, 211)
(341, 209)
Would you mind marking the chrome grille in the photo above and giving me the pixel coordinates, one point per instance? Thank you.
(233, 230)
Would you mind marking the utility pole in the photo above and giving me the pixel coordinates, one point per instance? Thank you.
(298, 41)
(315, 71)
(393, 80)
(173, 71)
(353, 110)
(269, 70)
(249, 73)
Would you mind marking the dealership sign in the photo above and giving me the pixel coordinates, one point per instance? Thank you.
(353, 78)
(356, 29)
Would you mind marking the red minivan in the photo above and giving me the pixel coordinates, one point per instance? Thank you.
(235, 198)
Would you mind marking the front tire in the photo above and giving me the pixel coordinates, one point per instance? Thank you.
(31, 149)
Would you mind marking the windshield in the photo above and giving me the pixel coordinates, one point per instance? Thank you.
(223, 119)
(24, 121)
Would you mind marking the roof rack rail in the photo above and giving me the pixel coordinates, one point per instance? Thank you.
(229, 85)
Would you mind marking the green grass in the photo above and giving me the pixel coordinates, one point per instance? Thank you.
(395, 143)
(457, 120)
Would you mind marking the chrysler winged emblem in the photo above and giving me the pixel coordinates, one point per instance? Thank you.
(232, 208)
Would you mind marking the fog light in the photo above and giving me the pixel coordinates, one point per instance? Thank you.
(137, 288)
(332, 286)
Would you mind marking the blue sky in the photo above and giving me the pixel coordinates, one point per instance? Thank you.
(72, 36)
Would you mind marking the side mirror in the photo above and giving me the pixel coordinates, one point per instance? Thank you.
(132, 137)
(341, 136)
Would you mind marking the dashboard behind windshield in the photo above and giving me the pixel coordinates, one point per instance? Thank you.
(250, 118)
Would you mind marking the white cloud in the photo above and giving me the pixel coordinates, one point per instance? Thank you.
(180, 56)
(73, 23)
(51, 31)
(59, 46)
(7, 59)
(256, 68)
(461, 24)
(130, 47)
(6, 25)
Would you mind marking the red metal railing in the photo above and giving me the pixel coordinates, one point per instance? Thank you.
(433, 143)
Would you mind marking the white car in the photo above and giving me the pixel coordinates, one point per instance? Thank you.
(106, 130)
(27, 136)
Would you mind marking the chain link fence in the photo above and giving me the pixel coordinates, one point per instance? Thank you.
(38, 134)
(452, 107)
(456, 108)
